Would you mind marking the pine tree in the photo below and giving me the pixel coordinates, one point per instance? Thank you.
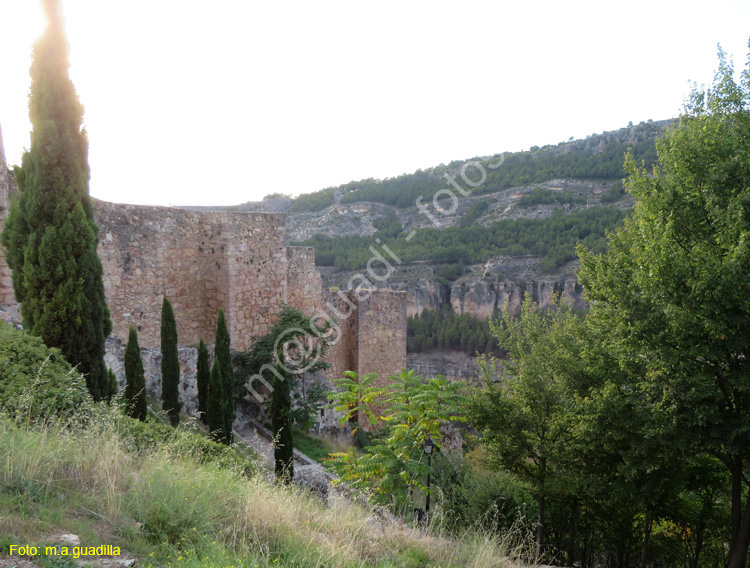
(203, 375)
(135, 382)
(50, 236)
(215, 404)
(223, 355)
(170, 364)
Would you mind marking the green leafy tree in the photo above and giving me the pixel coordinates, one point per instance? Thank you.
(135, 382)
(401, 415)
(527, 418)
(203, 375)
(293, 346)
(50, 236)
(223, 355)
(170, 364)
(672, 292)
(216, 405)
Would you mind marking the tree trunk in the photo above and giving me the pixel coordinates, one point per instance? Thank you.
(572, 533)
(540, 510)
(735, 469)
(540, 529)
(739, 545)
(648, 525)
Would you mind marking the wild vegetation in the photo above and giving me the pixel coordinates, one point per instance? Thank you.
(173, 497)
(554, 237)
(596, 158)
(283, 362)
(444, 329)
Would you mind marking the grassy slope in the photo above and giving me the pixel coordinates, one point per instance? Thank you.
(167, 510)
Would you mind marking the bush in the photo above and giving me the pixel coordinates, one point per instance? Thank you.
(473, 496)
(37, 381)
(143, 438)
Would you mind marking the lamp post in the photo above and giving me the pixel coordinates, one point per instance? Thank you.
(427, 448)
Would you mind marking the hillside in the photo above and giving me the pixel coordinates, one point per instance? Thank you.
(102, 495)
(475, 248)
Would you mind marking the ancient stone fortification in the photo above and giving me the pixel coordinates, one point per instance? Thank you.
(206, 261)
(202, 261)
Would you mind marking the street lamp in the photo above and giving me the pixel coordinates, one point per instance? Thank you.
(427, 447)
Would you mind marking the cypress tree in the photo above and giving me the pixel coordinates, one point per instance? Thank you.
(215, 405)
(112, 384)
(135, 382)
(223, 355)
(170, 364)
(280, 411)
(50, 237)
(203, 375)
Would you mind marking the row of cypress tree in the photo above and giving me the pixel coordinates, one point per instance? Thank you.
(215, 386)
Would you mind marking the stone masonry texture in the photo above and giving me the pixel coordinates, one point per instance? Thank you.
(237, 261)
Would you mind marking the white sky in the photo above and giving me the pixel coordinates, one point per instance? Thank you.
(217, 103)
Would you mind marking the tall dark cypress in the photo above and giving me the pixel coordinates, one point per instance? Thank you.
(203, 375)
(215, 405)
(280, 411)
(223, 355)
(170, 364)
(135, 382)
(50, 236)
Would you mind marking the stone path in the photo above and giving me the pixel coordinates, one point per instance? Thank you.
(260, 444)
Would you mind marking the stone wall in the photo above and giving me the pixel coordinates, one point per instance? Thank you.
(382, 334)
(304, 285)
(343, 355)
(202, 262)
(151, 359)
(207, 260)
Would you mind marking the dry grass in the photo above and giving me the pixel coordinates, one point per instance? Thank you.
(169, 510)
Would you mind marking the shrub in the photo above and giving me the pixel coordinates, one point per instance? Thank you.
(473, 496)
(146, 437)
(36, 381)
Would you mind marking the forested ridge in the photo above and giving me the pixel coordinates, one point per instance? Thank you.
(598, 157)
(554, 237)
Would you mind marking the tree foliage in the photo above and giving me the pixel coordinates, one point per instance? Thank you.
(554, 237)
(598, 157)
(672, 295)
(135, 382)
(50, 236)
(36, 382)
(222, 354)
(202, 376)
(442, 328)
(170, 364)
(216, 405)
(401, 416)
(295, 345)
(527, 417)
